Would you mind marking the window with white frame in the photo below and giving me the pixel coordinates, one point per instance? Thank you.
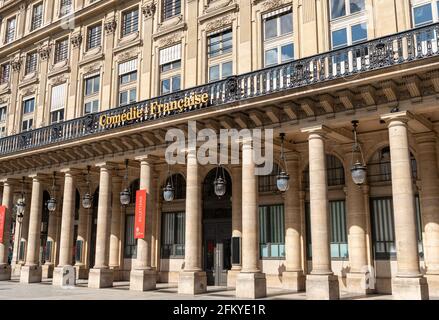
(11, 25)
(37, 16)
(94, 36)
(342, 8)
(128, 82)
(58, 102)
(31, 63)
(3, 113)
(425, 12)
(278, 35)
(219, 53)
(130, 21)
(5, 72)
(170, 69)
(27, 121)
(92, 85)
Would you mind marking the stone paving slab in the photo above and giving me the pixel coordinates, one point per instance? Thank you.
(13, 290)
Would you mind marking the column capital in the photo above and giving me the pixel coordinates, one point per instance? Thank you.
(106, 165)
(402, 116)
(147, 158)
(37, 176)
(10, 181)
(71, 171)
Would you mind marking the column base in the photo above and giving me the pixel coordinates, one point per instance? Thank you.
(410, 288)
(64, 276)
(100, 278)
(143, 280)
(360, 283)
(231, 277)
(31, 274)
(251, 285)
(47, 270)
(322, 287)
(433, 285)
(5, 272)
(16, 269)
(192, 283)
(293, 280)
(81, 272)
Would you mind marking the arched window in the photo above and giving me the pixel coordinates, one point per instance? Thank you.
(334, 172)
(379, 168)
(268, 183)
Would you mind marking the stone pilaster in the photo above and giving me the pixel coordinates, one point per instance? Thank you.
(236, 221)
(429, 196)
(7, 202)
(81, 265)
(321, 284)
(115, 238)
(409, 282)
(101, 276)
(49, 265)
(143, 277)
(67, 227)
(31, 272)
(293, 277)
(251, 282)
(22, 232)
(192, 280)
(110, 27)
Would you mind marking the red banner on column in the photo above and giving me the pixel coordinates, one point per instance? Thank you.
(2, 222)
(140, 223)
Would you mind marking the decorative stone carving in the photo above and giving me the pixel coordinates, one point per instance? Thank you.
(127, 55)
(44, 52)
(269, 4)
(29, 91)
(92, 68)
(149, 9)
(169, 40)
(58, 80)
(110, 26)
(216, 4)
(76, 40)
(16, 64)
(219, 23)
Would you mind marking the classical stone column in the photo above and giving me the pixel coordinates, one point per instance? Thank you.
(321, 284)
(7, 202)
(192, 280)
(31, 272)
(250, 283)
(81, 265)
(236, 221)
(114, 261)
(22, 232)
(356, 218)
(101, 276)
(429, 196)
(67, 227)
(143, 277)
(409, 282)
(49, 265)
(293, 277)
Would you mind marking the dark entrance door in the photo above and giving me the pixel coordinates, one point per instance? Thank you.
(217, 251)
(217, 231)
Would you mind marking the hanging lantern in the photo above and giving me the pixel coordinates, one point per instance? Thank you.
(358, 168)
(169, 192)
(220, 186)
(87, 199)
(21, 203)
(125, 195)
(51, 204)
(283, 178)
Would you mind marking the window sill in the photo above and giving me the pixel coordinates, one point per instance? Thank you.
(272, 258)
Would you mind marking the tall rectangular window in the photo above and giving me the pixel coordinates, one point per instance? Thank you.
(3, 110)
(128, 82)
(37, 16)
(341, 8)
(173, 235)
(61, 50)
(91, 94)
(11, 25)
(94, 36)
(65, 7)
(278, 31)
(170, 68)
(57, 107)
(272, 231)
(130, 250)
(219, 51)
(130, 22)
(5, 71)
(171, 8)
(31, 62)
(27, 114)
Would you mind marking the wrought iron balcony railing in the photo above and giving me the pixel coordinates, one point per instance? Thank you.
(397, 49)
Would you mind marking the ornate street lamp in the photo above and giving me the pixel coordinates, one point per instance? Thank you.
(220, 183)
(51, 203)
(87, 199)
(358, 167)
(21, 203)
(169, 190)
(125, 195)
(283, 177)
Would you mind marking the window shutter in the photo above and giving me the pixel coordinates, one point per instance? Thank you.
(58, 97)
(276, 12)
(170, 54)
(127, 67)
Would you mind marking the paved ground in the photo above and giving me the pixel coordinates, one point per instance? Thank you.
(13, 290)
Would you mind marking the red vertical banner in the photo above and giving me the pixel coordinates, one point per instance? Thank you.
(2, 222)
(140, 223)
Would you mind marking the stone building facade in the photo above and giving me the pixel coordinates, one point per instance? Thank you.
(88, 90)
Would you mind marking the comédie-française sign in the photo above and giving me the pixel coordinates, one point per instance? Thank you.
(153, 109)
